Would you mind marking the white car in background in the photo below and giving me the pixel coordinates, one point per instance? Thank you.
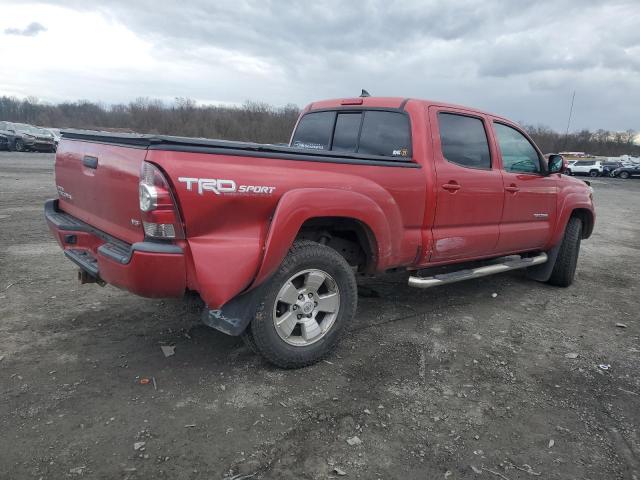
(593, 168)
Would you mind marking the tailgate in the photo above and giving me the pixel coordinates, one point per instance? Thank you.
(98, 183)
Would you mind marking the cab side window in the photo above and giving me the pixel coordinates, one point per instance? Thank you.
(518, 155)
(463, 140)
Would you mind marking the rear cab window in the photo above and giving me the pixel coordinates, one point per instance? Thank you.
(367, 132)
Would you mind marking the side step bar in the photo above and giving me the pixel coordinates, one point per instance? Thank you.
(460, 275)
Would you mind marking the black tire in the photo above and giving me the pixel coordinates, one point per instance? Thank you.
(624, 175)
(568, 172)
(594, 173)
(262, 332)
(565, 267)
(18, 145)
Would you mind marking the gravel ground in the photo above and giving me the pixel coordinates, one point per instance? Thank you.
(452, 382)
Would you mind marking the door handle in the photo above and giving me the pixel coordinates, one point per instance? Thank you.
(512, 189)
(452, 187)
(90, 162)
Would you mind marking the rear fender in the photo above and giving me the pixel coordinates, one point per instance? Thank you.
(297, 206)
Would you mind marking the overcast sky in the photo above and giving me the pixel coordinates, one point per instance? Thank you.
(520, 59)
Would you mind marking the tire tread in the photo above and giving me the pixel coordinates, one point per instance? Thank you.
(565, 267)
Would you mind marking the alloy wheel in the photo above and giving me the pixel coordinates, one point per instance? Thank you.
(306, 307)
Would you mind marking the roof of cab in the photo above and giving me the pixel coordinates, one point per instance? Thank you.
(387, 102)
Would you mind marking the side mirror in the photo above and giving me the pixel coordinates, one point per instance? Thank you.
(557, 164)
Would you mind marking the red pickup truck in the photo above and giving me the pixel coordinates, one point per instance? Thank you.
(272, 237)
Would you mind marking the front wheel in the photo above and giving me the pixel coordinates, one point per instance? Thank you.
(18, 145)
(594, 173)
(624, 175)
(306, 306)
(568, 172)
(565, 267)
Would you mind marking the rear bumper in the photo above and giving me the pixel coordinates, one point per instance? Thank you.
(149, 269)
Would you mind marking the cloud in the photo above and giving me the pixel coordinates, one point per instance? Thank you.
(519, 59)
(31, 30)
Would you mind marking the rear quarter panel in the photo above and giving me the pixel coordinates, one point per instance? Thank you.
(227, 233)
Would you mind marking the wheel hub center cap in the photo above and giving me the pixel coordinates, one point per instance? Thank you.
(307, 307)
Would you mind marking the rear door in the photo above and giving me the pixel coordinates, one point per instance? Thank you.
(469, 186)
(529, 193)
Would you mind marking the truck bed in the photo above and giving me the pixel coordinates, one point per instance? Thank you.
(233, 148)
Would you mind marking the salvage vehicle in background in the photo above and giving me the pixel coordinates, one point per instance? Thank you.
(627, 172)
(272, 237)
(4, 141)
(593, 168)
(609, 167)
(55, 132)
(23, 137)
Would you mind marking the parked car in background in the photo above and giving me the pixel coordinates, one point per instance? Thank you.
(609, 167)
(4, 141)
(22, 137)
(627, 172)
(593, 168)
(56, 135)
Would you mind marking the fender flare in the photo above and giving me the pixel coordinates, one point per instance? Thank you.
(298, 206)
(571, 203)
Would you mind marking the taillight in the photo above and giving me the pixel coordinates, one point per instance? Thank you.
(160, 216)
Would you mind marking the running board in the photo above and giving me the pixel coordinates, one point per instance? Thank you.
(460, 275)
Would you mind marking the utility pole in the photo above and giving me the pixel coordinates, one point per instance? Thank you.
(566, 134)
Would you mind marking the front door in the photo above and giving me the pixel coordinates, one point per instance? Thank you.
(529, 194)
(469, 186)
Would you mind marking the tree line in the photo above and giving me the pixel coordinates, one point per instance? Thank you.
(600, 142)
(252, 122)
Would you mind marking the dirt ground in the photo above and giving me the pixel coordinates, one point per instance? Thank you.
(452, 382)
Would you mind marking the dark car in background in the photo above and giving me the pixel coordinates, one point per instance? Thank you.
(4, 141)
(609, 167)
(627, 172)
(22, 137)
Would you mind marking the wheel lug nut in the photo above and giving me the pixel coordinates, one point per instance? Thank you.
(300, 297)
(299, 316)
(295, 307)
(311, 295)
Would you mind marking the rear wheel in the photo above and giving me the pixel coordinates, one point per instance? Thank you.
(624, 175)
(305, 307)
(565, 267)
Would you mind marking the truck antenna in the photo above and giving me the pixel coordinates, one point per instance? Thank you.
(365, 93)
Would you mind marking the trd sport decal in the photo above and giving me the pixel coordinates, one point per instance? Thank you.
(219, 186)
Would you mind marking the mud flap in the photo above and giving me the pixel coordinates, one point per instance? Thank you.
(542, 272)
(236, 315)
